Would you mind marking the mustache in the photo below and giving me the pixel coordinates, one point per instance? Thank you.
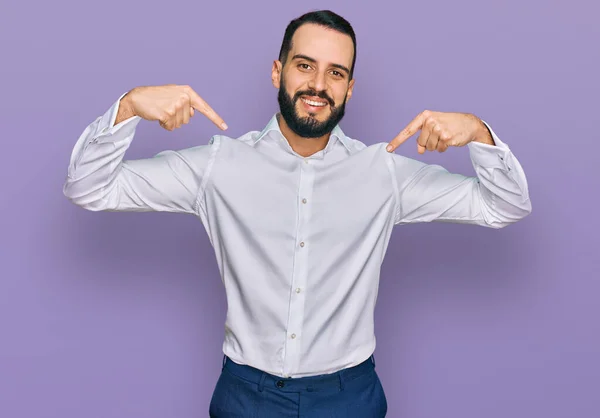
(320, 94)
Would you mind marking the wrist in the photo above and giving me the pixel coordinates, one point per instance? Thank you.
(483, 134)
(125, 109)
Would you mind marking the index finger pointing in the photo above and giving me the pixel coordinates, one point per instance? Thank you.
(410, 130)
(201, 106)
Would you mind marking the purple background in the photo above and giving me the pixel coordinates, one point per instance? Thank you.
(121, 315)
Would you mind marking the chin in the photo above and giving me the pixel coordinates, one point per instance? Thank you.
(320, 116)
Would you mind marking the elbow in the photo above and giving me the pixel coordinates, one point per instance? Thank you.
(91, 201)
(522, 210)
(527, 208)
(69, 192)
(514, 214)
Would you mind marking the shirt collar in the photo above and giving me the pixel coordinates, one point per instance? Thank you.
(336, 134)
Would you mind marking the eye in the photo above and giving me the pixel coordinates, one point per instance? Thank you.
(304, 66)
(337, 74)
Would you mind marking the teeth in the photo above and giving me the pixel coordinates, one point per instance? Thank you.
(313, 103)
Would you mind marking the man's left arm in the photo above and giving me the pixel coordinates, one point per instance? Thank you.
(496, 197)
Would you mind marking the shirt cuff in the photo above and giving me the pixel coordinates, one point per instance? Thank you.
(106, 126)
(491, 156)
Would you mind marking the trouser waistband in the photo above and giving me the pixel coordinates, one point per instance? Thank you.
(309, 383)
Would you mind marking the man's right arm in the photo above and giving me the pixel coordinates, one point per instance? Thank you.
(100, 179)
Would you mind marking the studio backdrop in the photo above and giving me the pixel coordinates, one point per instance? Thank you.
(114, 315)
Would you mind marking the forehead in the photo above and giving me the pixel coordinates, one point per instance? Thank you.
(323, 44)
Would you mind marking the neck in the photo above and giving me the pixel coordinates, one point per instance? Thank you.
(301, 145)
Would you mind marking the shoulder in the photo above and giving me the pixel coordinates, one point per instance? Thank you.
(356, 146)
(397, 163)
(215, 145)
(248, 138)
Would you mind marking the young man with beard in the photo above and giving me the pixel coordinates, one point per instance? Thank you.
(299, 216)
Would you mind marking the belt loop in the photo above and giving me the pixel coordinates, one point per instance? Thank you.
(373, 359)
(224, 361)
(341, 380)
(261, 384)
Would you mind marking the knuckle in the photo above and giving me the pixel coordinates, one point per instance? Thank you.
(426, 113)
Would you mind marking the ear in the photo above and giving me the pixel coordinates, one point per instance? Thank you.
(276, 73)
(350, 89)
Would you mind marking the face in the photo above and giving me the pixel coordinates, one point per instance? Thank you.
(314, 85)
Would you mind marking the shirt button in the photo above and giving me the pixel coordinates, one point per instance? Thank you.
(280, 384)
(298, 290)
(302, 244)
(293, 336)
(306, 161)
(303, 200)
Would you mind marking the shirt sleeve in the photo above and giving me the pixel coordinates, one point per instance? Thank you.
(496, 197)
(100, 179)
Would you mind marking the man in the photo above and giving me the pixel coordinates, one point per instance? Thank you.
(299, 216)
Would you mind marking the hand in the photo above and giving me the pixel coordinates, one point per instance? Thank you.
(172, 105)
(440, 130)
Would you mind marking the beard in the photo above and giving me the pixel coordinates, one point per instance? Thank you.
(308, 126)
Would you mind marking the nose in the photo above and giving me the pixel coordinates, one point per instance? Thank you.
(318, 82)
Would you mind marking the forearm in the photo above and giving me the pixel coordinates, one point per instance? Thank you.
(501, 181)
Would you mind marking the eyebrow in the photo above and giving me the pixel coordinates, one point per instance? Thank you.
(307, 58)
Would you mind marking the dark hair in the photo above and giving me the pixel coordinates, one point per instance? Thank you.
(325, 18)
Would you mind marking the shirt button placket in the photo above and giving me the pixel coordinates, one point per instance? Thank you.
(298, 282)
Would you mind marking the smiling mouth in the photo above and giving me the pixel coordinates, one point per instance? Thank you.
(314, 103)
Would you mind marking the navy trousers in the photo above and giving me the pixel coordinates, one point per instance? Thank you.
(243, 391)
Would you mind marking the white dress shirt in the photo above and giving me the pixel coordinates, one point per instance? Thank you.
(299, 241)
